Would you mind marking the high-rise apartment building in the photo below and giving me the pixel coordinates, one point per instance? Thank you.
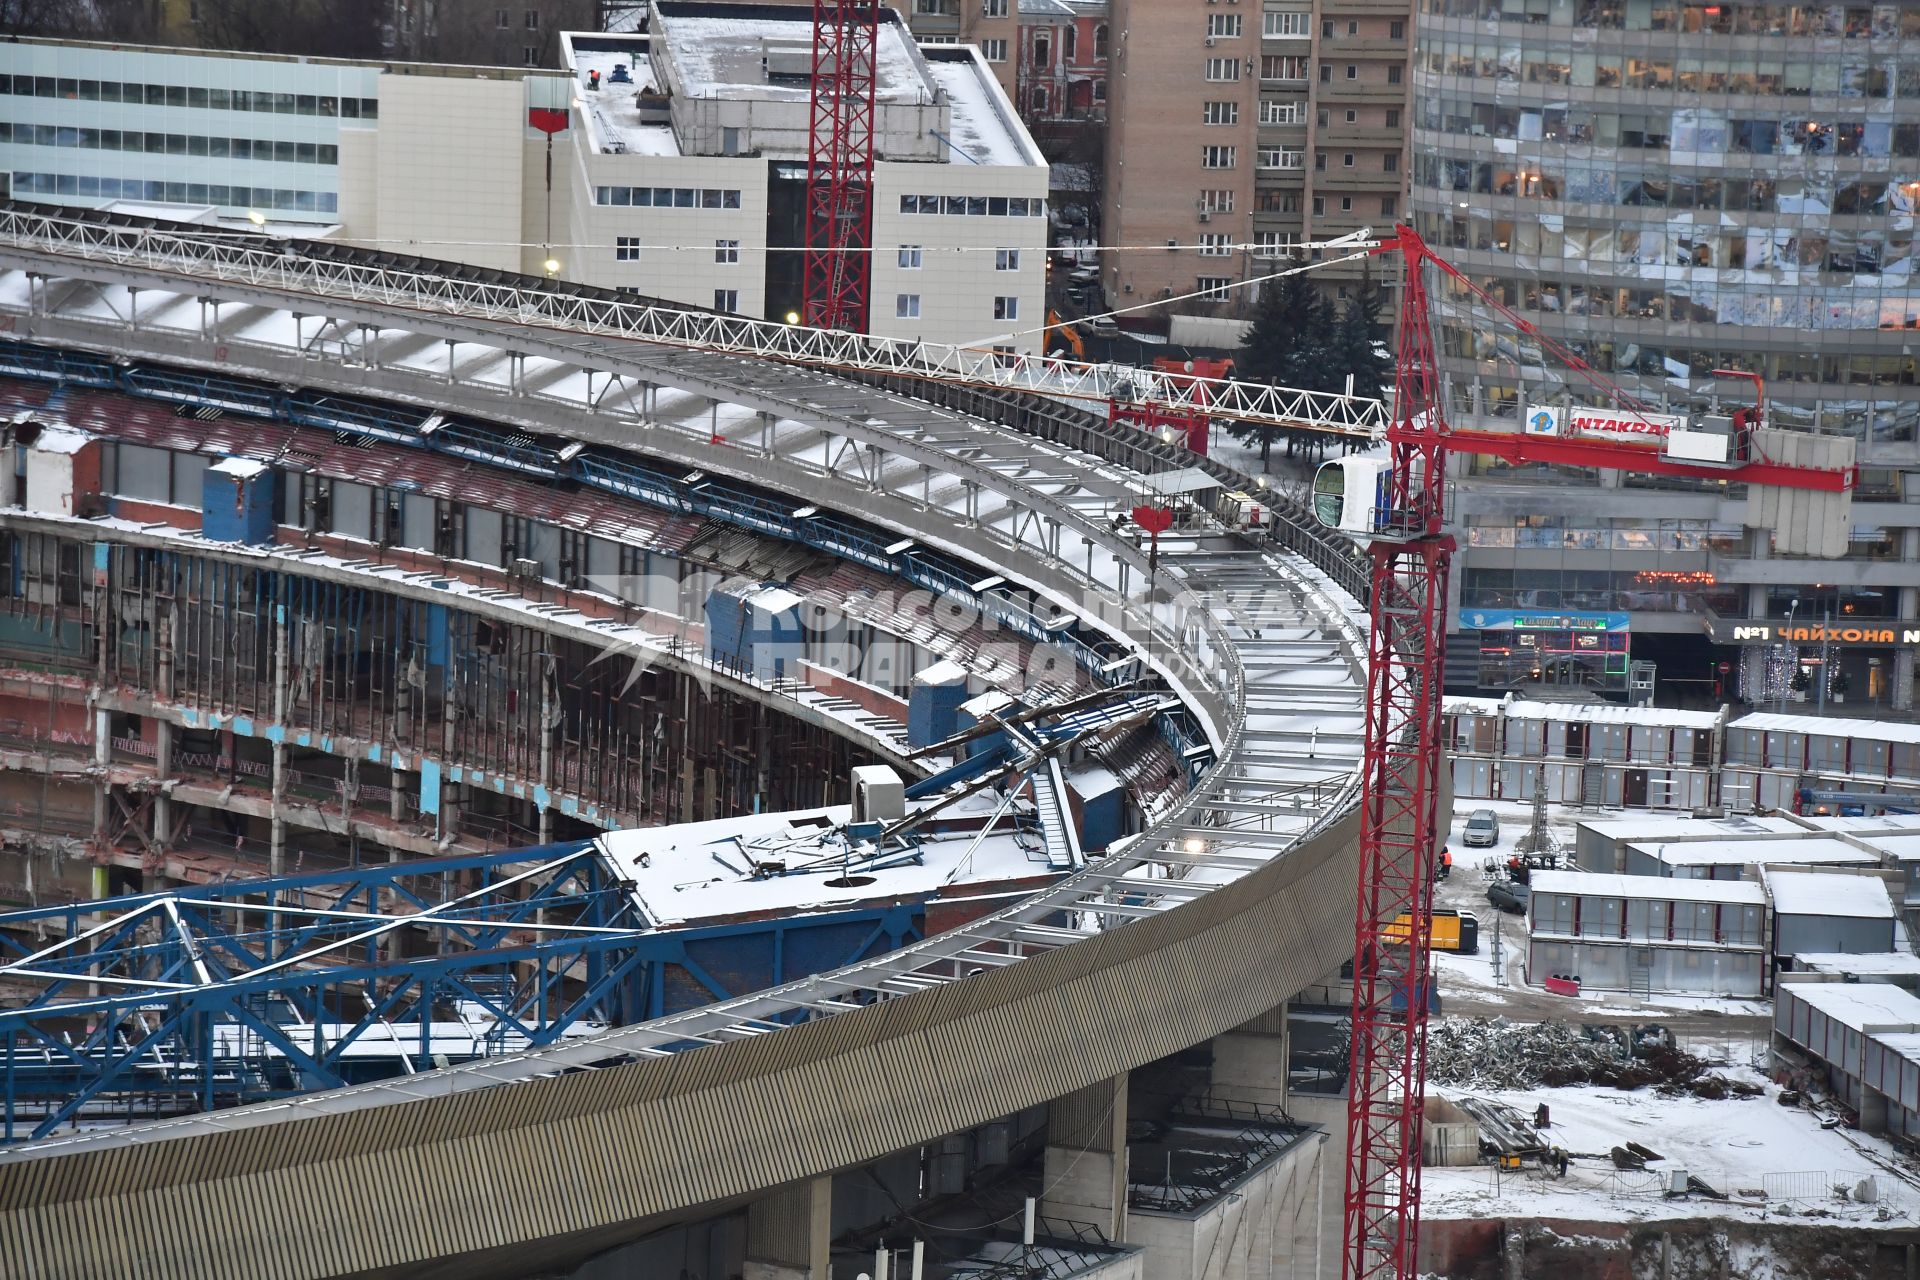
(1237, 132)
(1669, 189)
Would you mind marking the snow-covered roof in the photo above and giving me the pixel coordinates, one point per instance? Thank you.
(60, 440)
(1903, 848)
(1600, 884)
(1879, 963)
(1828, 893)
(945, 671)
(1860, 1005)
(1831, 727)
(239, 468)
(1681, 827)
(704, 871)
(980, 128)
(1584, 713)
(1720, 853)
(718, 54)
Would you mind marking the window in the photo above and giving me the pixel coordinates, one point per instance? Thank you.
(1353, 28)
(1100, 41)
(726, 299)
(1217, 200)
(1326, 29)
(1283, 67)
(1071, 48)
(1042, 51)
(1353, 117)
(502, 19)
(1276, 25)
(1390, 162)
(909, 257)
(1393, 73)
(1282, 158)
(1216, 245)
(1326, 73)
(1223, 26)
(1389, 206)
(906, 306)
(1006, 259)
(1005, 308)
(1396, 31)
(993, 8)
(1319, 162)
(533, 19)
(1319, 205)
(1346, 160)
(1282, 112)
(1393, 117)
(1353, 72)
(1214, 288)
(1040, 98)
(530, 56)
(1274, 244)
(1346, 204)
(1218, 157)
(994, 50)
(726, 252)
(626, 249)
(1220, 113)
(1223, 69)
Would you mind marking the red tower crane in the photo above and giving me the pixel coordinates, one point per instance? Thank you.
(1398, 508)
(840, 165)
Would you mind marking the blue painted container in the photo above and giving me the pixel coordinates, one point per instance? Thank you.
(933, 704)
(237, 502)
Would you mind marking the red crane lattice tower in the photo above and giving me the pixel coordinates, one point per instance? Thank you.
(1410, 557)
(840, 166)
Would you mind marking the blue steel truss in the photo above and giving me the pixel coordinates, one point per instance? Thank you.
(204, 997)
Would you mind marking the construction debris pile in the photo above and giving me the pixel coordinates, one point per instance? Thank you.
(1493, 1053)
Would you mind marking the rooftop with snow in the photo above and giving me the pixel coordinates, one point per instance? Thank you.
(716, 79)
(809, 860)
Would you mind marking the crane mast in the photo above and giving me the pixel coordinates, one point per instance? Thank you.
(840, 165)
(1400, 772)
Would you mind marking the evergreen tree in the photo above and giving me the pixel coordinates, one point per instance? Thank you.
(1282, 323)
(1361, 343)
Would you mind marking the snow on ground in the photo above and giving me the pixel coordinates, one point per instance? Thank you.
(1772, 1161)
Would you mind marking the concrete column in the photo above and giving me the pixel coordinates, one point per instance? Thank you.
(548, 717)
(1903, 658)
(1086, 1157)
(1250, 1062)
(790, 1233)
(162, 770)
(277, 841)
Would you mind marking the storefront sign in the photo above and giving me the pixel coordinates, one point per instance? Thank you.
(1860, 634)
(1649, 429)
(1533, 620)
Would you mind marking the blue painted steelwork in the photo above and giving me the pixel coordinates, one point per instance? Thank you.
(211, 996)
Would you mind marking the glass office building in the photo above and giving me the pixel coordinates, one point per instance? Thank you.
(1670, 189)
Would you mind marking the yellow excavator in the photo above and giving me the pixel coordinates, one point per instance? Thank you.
(1063, 338)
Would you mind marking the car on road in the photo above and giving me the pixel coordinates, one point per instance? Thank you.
(1482, 831)
(1508, 895)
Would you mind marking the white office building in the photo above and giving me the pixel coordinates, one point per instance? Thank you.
(682, 175)
(690, 174)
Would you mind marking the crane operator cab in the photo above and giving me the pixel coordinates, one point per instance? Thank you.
(1354, 496)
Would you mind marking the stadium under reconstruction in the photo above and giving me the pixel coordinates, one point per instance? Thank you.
(503, 779)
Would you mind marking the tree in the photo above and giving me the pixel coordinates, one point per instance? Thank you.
(1361, 348)
(1280, 317)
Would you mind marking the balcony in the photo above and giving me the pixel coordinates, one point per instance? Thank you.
(1343, 46)
(1342, 91)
